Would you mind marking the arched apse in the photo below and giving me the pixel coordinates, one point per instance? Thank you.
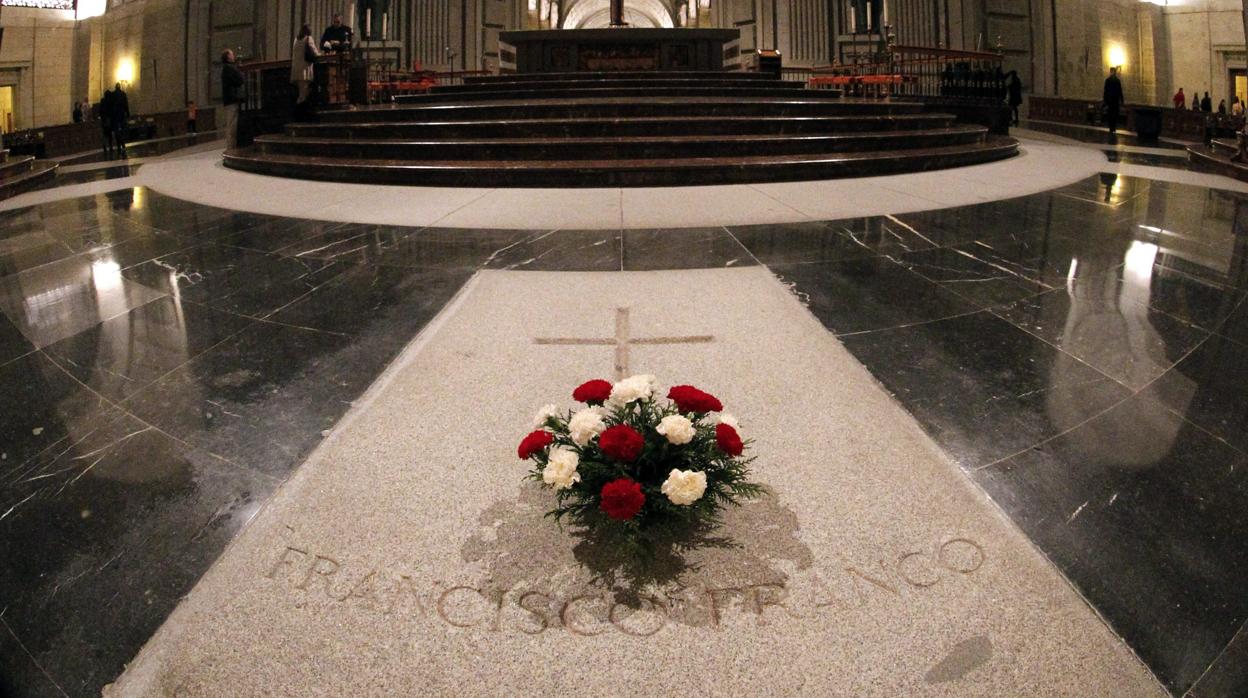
(589, 14)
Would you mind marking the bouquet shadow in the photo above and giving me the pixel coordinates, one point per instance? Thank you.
(517, 546)
(659, 560)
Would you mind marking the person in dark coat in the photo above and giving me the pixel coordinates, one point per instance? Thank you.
(77, 113)
(1113, 98)
(232, 82)
(1206, 104)
(1014, 94)
(120, 118)
(105, 108)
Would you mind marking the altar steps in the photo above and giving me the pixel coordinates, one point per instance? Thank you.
(620, 172)
(608, 91)
(618, 83)
(621, 129)
(703, 75)
(608, 147)
(623, 108)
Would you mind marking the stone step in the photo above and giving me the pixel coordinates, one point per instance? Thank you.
(628, 148)
(36, 173)
(1216, 160)
(13, 166)
(618, 127)
(617, 83)
(758, 107)
(623, 75)
(611, 173)
(543, 93)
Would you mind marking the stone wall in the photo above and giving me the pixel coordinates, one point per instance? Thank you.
(37, 61)
(1207, 40)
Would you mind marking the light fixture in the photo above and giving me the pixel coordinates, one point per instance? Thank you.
(125, 70)
(1117, 56)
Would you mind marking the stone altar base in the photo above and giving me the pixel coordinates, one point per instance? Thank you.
(406, 557)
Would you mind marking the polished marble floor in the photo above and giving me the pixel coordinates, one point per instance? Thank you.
(1079, 352)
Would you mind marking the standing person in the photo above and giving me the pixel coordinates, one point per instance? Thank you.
(1113, 99)
(1180, 99)
(192, 117)
(232, 82)
(105, 108)
(1222, 107)
(1206, 104)
(1014, 91)
(337, 36)
(303, 57)
(1237, 106)
(77, 113)
(120, 119)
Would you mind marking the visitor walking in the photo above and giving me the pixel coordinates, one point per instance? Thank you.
(105, 109)
(192, 117)
(120, 118)
(1180, 99)
(232, 82)
(77, 113)
(1206, 104)
(1237, 106)
(1113, 99)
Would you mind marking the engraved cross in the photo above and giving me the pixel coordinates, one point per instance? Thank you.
(622, 341)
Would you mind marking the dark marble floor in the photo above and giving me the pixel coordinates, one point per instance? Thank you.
(1078, 352)
(63, 179)
(1097, 134)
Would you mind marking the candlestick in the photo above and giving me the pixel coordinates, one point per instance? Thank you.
(853, 19)
(368, 23)
(385, 26)
(884, 12)
(870, 16)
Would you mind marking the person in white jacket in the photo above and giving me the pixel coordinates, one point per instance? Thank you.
(302, 59)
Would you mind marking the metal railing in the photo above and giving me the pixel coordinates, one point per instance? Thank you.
(920, 72)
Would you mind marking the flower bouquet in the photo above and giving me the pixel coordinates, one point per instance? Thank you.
(632, 467)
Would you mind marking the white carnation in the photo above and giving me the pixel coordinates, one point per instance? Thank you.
(633, 388)
(727, 418)
(544, 414)
(585, 425)
(684, 487)
(561, 468)
(678, 429)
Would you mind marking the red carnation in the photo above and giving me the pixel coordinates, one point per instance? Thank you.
(622, 499)
(690, 399)
(593, 392)
(729, 440)
(621, 442)
(534, 442)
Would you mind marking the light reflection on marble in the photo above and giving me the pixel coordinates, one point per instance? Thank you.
(58, 300)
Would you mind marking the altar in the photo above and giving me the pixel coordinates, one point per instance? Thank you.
(618, 49)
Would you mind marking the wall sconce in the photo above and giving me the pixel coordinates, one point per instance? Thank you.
(1117, 56)
(125, 70)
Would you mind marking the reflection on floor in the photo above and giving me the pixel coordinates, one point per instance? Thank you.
(1098, 135)
(1078, 352)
